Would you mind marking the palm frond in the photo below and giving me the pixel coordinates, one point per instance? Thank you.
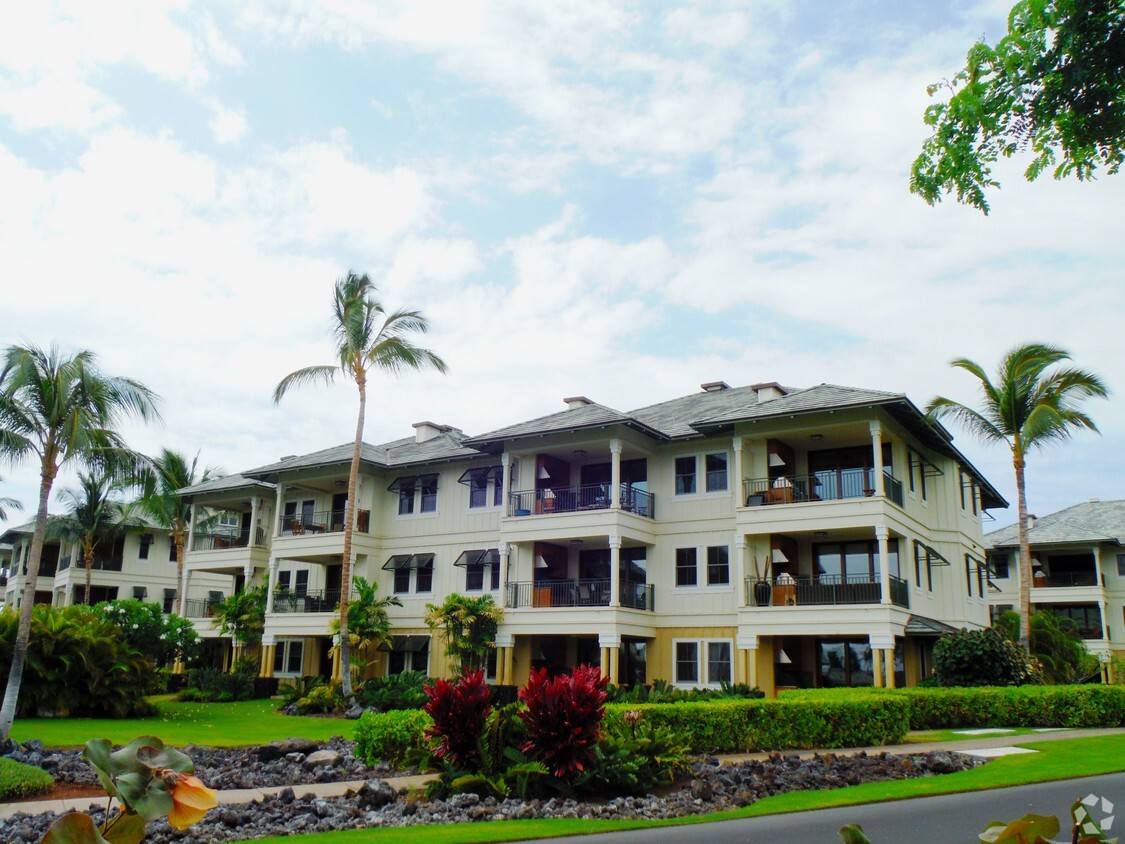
(308, 375)
(974, 422)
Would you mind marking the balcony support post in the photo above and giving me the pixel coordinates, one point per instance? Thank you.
(191, 530)
(505, 484)
(877, 453)
(615, 571)
(611, 652)
(504, 644)
(184, 592)
(505, 554)
(278, 508)
(883, 535)
(883, 659)
(615, 474)
(254, 506)
(746, 666)
(269, 648)
(271, 585)
(739, 496)
(890, 666)
(741, 549)
(877, 666)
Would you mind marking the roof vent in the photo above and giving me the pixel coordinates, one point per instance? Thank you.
(287, 457)
(575, 402)
(424, 431)
(1094, 501)
(768, 391)
(714, 386)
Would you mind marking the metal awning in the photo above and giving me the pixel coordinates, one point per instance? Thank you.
(408, 561)
(919, 625)
(412, 481)
(933, 556)
(485, 557)
(482, 475)
(928, 469)
(406, 644)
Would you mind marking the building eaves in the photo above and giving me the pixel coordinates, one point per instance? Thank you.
(225, 484)
(1088, 522)
(592, 415)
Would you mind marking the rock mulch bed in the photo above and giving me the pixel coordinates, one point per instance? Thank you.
(713, 788)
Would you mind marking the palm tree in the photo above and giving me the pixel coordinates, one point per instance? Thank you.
(160, 480)
(1027, 406)
(93, 515)
(366, 337)
(56, 408)
(8, 502)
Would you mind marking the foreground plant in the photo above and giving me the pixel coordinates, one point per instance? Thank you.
(149, 781)
(563, 718)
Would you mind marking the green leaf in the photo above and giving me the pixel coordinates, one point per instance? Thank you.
(1029, 829)
(97, 753)
(144, 794)
(126, 829)
(853, 834)
(73, 829)
(165, 757)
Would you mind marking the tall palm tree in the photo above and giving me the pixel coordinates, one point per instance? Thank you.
(93, 515)
(1028, 405)
(8, 502)
(366, 337)
(55, 408)
(160, 480)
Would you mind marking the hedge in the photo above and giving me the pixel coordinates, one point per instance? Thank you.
(19, 780)
(727, 726)
(1007, 706)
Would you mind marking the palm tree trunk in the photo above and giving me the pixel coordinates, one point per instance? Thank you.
(178, 539)
(349, 527)
(1025, 550)
(23, 632)
(88, 559)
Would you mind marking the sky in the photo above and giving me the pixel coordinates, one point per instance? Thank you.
(621, 200)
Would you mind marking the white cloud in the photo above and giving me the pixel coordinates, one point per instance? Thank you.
(229, 126)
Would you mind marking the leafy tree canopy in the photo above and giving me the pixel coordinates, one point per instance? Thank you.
(1053, 86)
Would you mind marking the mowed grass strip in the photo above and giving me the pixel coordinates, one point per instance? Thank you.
(249, 722)
(1056, 760)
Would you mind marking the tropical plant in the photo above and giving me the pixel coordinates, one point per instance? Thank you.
(161, 481)
(10, 503)
(242, 616)
(1029, 405)
(395, 691)
(56, 408)
(93, 516)
(634, 757)
(563, 718)
(366, 337)
(1053, 86)
(149, 781)
(1057, 644)
(144, 626)
(981, 658)
(469, 628)
(368, 623)
(459, 711)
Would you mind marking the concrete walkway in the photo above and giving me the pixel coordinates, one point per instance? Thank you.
(338, 789)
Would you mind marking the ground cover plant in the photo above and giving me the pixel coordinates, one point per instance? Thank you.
(19, 781)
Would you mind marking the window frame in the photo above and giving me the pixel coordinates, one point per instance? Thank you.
(708, 472)
(146, 540)
(694, 568)
(707, 670)
(679, 487)
(713, 566)
(283, 654)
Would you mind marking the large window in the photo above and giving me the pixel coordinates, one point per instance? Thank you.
(486, 486)
(409, 653)
(854, 562)
(416, 494)
(288, 657)
(146, 543)
(482, 566)
(716, 465)
(704, 662)
(685, 475)
(999, 565)
(718, 565)
(687, 567)
(412, 573)
(1087, 618)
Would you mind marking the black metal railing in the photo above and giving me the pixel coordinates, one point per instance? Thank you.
(825, 590)
(893, 487)
(571, 499)
(312, 600)
(64, 562)
(107, 563)
(324, 521)
(200, 607)
(218, 540)
(1064, 579)
(820, 486)
(578, 593)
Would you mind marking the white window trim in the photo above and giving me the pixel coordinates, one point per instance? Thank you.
(413, 590)
(286, 643)
(429, 514)
(703, 665)
(490, 492)
(701, 490)
(701, 585)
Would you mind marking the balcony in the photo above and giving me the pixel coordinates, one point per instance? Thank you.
(325, 521)
(200, 607)
(574, 499)
(578, 593)
(311, 601)
(233, 538)
(1064, 580)
(822, 486)
(64, 562)
(825, 590)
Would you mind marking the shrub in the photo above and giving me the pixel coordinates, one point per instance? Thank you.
(320, 700)
(563, 718)
(18, 780)
(458, 711)
(661, 692)
(1056, 644)
(298, 687)
(635, 757)
(397, 691)
(213, 685)
(981, 658)
(391, 737)
(161, 638)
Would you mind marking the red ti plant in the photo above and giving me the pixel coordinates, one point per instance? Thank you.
(563, 718)
(459, 711)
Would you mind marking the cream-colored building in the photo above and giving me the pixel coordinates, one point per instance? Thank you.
(1078, 570)
(780, 537)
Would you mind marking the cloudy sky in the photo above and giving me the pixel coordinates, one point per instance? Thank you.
(620, 200)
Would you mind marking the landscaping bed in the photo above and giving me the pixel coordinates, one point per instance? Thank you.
(711, 788)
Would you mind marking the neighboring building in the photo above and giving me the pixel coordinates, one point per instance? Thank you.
(138, 564)
(1078, 570)
(780, 537)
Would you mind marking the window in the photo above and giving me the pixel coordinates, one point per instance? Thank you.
(284, 579)
(686, 574)
(999, 564)
(853, 562)
(1121, 565)
(910, 467)
(169, 600)
(402, 581)
(288, 657)
(961, 483)
(409, 653)
(918, 552)
(718, 565)
(969, 574)
(416, 494)
(922, 552)
(171, 549)
(301, 586)
(481, 567)
(685, 475)
(479, 481)
(714, 667)
(146, 543)
(424, 577)
(405, 500)
(411, 570)
(716, 465)
(429, 494)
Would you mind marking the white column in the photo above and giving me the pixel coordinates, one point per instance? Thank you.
(739, 498)
(741, 549)
(615, 474)
(254, 504)
(885, 643)
(506, 483)
(877, 449)
(505, 553)
(747, 644)
(610, 644)
(271, 585)
(883, 535)
(615, 571)
(191, 529)
(279, 508)
(184, 592)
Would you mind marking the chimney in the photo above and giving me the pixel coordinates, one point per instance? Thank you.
(1030, 521)
(575, 402)
(768, 391)
(714, 386)
(424, 431)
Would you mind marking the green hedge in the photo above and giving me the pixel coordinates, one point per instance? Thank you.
(391, 736)
(19, 780)
(1010, 706)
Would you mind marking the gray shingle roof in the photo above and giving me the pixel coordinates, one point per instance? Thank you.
(227, 482)
(675, 418)
(588, 416)
(1090, 521)
(808, 400)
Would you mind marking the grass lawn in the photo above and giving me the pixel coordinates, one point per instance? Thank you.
(1056, 760)
(945, 736)
(214, 724)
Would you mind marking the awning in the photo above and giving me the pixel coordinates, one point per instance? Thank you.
(406, 644)
(486, 557)
(928, 469)
(933, 557)
(482, 475)
(919, 625)
(412, 481)
(408, 561)
(986, 567)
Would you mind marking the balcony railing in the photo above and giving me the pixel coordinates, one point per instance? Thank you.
(825, 590)
(64, 562)
(572, 499)
(893, 487)
(820, 486)
(218, 540)
(200, 607)
(313, 600)
(324, 521)
(579, 593)
(1064, 579)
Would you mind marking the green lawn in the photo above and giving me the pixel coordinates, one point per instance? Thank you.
(946, 736)
(1056, 760)
(213, 724)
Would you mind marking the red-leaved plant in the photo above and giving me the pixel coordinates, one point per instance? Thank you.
(459, 711)
(563, 718)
